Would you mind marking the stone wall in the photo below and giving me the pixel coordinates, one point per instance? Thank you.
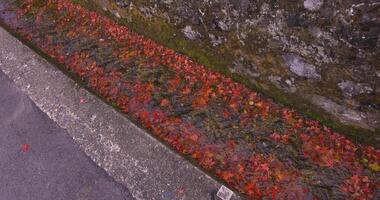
(320, 56)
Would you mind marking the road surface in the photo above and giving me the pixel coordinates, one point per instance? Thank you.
(39, 160)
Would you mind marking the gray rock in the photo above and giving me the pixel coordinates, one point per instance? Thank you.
(343, 113)
(190, 34)
(216, 40)
(313, 5)
(223, 26)
(121, 3)
(167, 1)
(350, 88)
(298, 66)
(290, 85)
(287, 85)
(147, 11)
(316, 32)
(242, 66)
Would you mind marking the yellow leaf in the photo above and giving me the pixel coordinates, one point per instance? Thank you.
(375, 167)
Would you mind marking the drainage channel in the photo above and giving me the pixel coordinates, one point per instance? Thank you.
(261, 149)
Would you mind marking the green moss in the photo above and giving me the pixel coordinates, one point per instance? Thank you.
(167, 35)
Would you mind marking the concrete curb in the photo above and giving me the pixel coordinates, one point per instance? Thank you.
(149, 169)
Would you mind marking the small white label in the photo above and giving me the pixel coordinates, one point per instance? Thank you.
(224, 193)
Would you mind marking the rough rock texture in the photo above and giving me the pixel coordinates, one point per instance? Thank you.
(293, 49)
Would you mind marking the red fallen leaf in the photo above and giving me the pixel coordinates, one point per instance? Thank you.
(164, 103)
(356, 179)
(207, 163)
(227, 176)
(196, 155)
(114, 91)
(157, 116)
(206, 91)
(199, 102)
(359, 187)
(259, 104)
(328, 160)
(173, 84)
(231, 144)
(233, 105)
(181, 191)
(275, 191)
(148, 87)
(144, 115)
(93, 17)
(25, 147)
(275, 136)
(281, 176)
(194, 137)
(304, 137)
(264, 167)
(241, 168)
(252, 189)
(82, 100)
(226, 114)
(186, 91)
(122, 101)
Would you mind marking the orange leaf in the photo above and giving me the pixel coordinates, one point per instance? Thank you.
(227, 176)
(199, 102)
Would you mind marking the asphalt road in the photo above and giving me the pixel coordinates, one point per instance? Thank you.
(39, 160)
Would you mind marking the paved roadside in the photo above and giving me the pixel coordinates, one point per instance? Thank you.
(39, 160)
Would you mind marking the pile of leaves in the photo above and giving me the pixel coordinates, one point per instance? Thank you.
(261, 149)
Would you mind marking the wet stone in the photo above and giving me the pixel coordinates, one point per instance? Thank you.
(297, 20)
(313, 5)
(301, 68)
(216, 40)
(223, 26)
(287, 85)
(149, 12)
(121, 3)
(350, 88)
(190, 33)
(245, 67)
(343, 113)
